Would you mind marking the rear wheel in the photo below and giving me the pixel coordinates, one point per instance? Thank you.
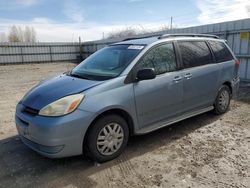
(222, 101)
(107, 138)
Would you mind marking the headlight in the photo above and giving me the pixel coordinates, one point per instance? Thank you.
(62, 106)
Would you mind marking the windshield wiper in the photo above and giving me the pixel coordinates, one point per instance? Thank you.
(78, 76)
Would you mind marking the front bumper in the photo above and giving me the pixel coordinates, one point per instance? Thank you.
(53, 137)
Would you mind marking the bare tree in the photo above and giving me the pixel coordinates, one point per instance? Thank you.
(13, 35)
(29, 34)
(164, 28)
(33, 35)
(127, 32)
(130, 32)
(20, 34)
(3, 37)
(17, 34)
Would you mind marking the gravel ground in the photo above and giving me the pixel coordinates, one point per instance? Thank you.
(203, 151)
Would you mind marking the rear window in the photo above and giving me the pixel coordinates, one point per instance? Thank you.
(221, 52)
(194, 53)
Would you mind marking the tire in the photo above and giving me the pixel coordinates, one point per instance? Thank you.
(100, 137)
(222, 101)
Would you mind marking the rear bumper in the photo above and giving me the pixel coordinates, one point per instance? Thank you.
(53, 137)
(235, 87)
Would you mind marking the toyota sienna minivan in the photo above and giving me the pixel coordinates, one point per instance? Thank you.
(128, 88)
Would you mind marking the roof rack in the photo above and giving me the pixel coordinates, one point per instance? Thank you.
(187, 35)
(142, 37)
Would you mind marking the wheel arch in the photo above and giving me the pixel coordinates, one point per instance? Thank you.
(118, 111)
(229, 84)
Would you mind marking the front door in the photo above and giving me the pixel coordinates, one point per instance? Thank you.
(160, 98)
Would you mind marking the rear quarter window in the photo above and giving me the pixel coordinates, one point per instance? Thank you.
(194, 53)
(221, 52)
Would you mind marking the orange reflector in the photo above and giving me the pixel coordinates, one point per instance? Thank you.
(73, 105)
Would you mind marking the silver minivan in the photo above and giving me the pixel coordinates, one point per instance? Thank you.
(132, 87)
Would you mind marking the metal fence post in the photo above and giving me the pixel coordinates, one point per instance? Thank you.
(50, 53)
(21, 49)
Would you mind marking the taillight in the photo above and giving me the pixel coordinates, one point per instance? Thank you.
(237, 66)
(237, 62)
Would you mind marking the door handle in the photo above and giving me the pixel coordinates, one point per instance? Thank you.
(177, 78)
(188, 76)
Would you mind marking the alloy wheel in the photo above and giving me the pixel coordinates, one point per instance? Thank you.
(110, 139)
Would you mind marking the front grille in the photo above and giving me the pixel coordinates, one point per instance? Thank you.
(30, 111)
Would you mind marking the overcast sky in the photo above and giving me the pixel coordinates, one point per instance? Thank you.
(66, 20)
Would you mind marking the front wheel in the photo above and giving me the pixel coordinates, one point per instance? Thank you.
(222, 101)
(107, 138)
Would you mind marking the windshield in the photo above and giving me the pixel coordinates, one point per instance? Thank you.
(107, 63)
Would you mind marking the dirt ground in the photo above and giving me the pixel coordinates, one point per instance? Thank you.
(203, 151)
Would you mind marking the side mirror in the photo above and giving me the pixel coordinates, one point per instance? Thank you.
(146, 74)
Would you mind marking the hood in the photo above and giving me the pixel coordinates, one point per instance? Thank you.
(53, 89)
